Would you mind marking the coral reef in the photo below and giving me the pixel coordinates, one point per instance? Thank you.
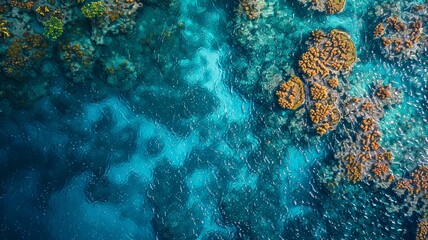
(383, 92)
(320, 112)
(363, 143)
(22, 5)
(291, 94)
(333, 53)
(400, 32)
(121, 72)
(328, 56)
(422, 232)
(53, 28)
(23, 55)
(94, 10)
(417, 184)
(326, 6)
(251, 8)
(78, 58)
(318, 92)
(112, 17)
(413, 191)
(333, 82)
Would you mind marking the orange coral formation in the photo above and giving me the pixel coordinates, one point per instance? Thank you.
(334, 82)
(75, 56)
(380, 169)
(335, 52)
(320, 112)
(370, 141)
(418, 184)
(385, 156)
(318, 92)
(4, 32)
(326, 6)
(323, 128)
(368, 106)
(291, 94)
(399, 38)
(367, 124)
(420, 179)
(422, 232)
(354, 170)
(383, 92)
(335, 116)
(317, 36)
(335, 6)
(405, 184)
(386, 42)
(396, 24)
(23, 5)
(379, 30)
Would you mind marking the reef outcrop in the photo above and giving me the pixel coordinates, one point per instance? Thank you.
(329, 57)
(251, 8)
(326, 6)
(422, 231)
(328, 54)
(363, 142)
(291, 94)
(24, 55)
(400, 31)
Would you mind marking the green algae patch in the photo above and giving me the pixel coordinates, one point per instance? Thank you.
(53, 28)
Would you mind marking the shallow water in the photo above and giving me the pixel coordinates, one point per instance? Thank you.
(172, 130)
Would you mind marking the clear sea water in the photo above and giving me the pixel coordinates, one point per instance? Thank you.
(186, 147)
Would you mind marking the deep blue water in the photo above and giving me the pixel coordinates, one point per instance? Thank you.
(168, 127)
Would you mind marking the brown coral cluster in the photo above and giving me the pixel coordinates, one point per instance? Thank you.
(318, 92)
(320, 112)
(328, 56)
(370, 141)
(43, 10)
(291, 94)
(326, 6)
(379, 30)
(72, 53)
(364, 142)
(251, 8)
(317, 36)
(333, 82)
(417, 184)
(22, 54)
(367, 124)
(332, 54)
(323, 128)
(368, 106)
(405, 185)
(420, 179)
(335, 6)
(422, 232)
(383, 92)
(354, 169)
(380, 169)
(400, 38)
(22, 5)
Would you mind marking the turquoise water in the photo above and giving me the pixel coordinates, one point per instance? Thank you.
(163, 124)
